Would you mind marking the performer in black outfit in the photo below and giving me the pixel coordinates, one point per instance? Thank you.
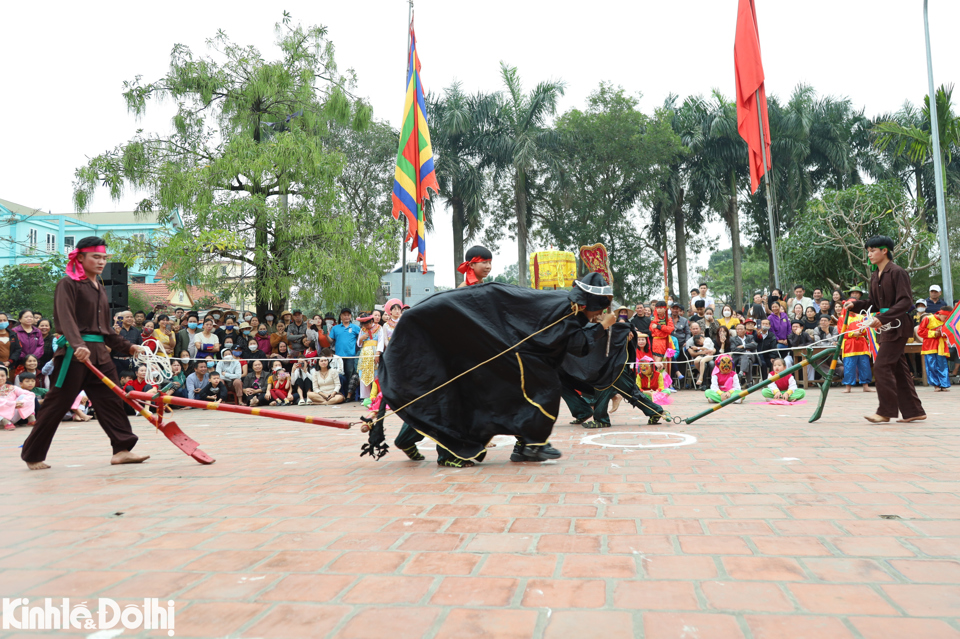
(517, 393)
(81, 313)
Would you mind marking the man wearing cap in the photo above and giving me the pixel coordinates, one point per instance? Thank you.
(344, 337)
(296, 331)
(936, 302)
(890, 300)
(856, 292)
(81, 313)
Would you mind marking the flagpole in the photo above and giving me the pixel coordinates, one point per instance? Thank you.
(766, 180)
(945, 273)
(403, 222)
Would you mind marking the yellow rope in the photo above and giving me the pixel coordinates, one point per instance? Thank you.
(453, 379)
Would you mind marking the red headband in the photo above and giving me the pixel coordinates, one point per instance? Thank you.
(74, 269)
(465, 269)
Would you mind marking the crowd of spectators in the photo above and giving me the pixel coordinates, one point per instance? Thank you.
(291, 358)
(767, 328)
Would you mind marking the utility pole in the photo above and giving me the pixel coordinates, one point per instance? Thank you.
(945, 273)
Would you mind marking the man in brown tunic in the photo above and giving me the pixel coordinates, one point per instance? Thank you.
(891, 299)
(82, 315)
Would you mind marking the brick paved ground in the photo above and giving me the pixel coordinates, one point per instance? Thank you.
(766, 527)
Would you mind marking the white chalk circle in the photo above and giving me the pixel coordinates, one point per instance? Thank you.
(678, 439)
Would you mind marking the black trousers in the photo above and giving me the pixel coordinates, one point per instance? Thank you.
(301, 387)
(110, 414)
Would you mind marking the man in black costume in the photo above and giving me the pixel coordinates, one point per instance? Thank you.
(484, 360)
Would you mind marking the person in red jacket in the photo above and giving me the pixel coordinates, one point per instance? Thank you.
(661, 328)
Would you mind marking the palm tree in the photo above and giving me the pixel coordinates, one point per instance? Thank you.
(520, 140)
(718, 164)
(458, 124)
(908, 135)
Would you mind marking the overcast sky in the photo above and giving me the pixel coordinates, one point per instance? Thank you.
(63, 66)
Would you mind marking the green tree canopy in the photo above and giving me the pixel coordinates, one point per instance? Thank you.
(30, 286)
(247, 168)
(611, 159)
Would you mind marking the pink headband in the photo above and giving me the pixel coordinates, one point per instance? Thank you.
(74, 269)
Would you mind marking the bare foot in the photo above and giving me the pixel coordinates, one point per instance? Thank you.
(944, 390)
(867, 389)
(616, 403)
(126, 457)
(907, 420)
(847, 390)
(937, 389)
(877, 419)
(80, 416)
(38, 465)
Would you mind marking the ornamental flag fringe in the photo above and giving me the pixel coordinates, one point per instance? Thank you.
(415, 171)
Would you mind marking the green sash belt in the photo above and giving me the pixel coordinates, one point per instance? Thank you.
(68, 358)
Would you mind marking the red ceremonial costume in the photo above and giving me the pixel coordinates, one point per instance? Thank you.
(933, 344)
(661, 328)
(855, 343)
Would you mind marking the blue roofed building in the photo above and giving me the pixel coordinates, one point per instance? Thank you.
(28, 235)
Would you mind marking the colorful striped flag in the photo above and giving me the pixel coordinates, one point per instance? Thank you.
(415, 172)
(952, 324)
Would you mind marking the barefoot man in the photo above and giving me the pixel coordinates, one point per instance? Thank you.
(82, 315)
(891, 299)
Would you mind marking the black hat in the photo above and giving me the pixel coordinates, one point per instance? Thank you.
(676, 305)
(592, 291)
(329, 316)
(797, 323)
(346, 310)
(297, 311)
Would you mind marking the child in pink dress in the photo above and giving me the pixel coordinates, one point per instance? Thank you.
(16, 404)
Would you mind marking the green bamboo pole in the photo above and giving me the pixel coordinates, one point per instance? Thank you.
(837, 350)
(809, 359)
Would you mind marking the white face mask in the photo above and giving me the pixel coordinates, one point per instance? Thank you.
(329, 322)
(727, 313)
(228, 356)
(185, 360)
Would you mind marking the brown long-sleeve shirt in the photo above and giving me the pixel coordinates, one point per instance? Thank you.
(890, 289)
(80, 308)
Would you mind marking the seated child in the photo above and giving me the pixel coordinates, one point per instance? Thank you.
(278, 386)
(16, 404)
(724, 382)
(214, 390)
(650, 380)
(78, 410)
(783, 388)
(28, 382)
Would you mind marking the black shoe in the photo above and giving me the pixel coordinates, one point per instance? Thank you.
(455, 462)
(517, 454)
(413, 453)
(579, 421)
(654, 419)
(535, 453)
(594, 424)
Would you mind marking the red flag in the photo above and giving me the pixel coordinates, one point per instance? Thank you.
(749, 72)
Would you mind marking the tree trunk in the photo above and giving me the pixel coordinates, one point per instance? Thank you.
(733, 220)
(770, 271)
(457, 241)
(679, 225)
(520, 196)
